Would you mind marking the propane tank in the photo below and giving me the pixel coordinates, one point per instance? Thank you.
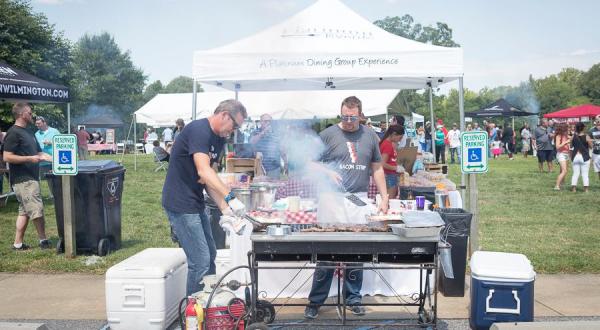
(194, 315)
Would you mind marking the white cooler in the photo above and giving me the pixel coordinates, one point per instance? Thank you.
(144, 290)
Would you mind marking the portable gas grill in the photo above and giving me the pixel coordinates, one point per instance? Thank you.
(350, 251)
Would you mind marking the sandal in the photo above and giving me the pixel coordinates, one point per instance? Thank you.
(556, 188)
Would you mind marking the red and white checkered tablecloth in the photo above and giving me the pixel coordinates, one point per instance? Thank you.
(294, 187)
(301, 217)
(372, 188)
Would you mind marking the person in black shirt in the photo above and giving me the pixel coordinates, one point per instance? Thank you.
(190, 173)
(23, 153)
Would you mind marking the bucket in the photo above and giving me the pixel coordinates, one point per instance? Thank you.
(223, 262)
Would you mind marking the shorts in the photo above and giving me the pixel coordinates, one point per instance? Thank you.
(391, 180)
(562, 157)
(545, 155)
(596, 162)
(30, 199)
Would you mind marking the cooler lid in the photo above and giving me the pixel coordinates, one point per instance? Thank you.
(92, 166)
(152, 263)
(501, 266)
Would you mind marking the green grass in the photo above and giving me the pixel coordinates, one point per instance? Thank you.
(519, 212)
(144, 224)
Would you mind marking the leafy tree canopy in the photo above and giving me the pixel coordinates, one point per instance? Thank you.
(30, 43)
(105, 76)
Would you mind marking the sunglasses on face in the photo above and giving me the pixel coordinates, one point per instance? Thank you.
(235, 124)
(351, 119)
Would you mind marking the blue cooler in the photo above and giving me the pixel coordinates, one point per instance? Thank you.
(501, 289)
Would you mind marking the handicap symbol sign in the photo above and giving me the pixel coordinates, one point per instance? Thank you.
(65, 156)
(474, 155)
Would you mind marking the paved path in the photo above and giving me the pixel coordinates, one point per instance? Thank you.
(81, 297)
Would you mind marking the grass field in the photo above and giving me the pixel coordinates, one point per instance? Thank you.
(519, 212)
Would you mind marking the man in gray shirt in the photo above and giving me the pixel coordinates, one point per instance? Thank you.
(543, 136)
(352, 153)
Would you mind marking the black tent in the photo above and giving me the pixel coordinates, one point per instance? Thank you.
(500, 108)
(102, 121)
(16, 85)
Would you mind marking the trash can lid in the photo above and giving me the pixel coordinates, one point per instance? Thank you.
(92, 166)
(501, 266)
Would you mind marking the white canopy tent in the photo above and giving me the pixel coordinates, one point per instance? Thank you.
(327, 45)
(164, 109)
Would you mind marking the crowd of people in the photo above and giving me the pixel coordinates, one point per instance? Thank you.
(566, 143)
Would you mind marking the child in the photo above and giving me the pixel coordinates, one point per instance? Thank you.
(496, 147)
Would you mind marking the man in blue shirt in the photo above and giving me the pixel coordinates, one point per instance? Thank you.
(190, 173)
(43, 137)
(268, 144)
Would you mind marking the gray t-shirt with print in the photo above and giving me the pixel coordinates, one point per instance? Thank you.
(542, 139)
(351, 155)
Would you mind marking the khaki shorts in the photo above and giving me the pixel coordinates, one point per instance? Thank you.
(30, 199)
(596, 162)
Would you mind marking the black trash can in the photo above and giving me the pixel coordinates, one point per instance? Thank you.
(98, 188)
(214, 215)
(458, 228)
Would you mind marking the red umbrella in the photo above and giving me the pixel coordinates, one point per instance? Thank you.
(585, 110)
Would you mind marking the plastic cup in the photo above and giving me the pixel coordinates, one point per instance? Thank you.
(420, 202)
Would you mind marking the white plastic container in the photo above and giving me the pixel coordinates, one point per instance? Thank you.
(143, 291)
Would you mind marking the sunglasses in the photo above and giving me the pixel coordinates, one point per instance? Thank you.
(349, 118)
(235, 124)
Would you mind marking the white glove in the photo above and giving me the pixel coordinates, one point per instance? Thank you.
(237, 207)
(400, 169)
(232, 224)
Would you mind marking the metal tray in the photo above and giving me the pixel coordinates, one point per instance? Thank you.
(400, 229)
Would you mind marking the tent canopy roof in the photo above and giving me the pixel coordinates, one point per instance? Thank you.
(500, 108)
(584, 110)
(327, 45)
(164, 109)
(16, 85)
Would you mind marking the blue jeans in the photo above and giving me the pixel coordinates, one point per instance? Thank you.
(321, 284)
(454, 151)
(195, 237)
(428, 145)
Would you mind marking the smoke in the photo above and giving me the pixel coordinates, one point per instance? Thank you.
(95, 112)
(523, 97)
(303, 146)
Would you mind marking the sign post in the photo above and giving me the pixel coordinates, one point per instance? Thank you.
(474, 160)
(64, 163)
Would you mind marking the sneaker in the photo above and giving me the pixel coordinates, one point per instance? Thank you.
(22, 248)
(357, 310)
(556, 188)
(45, 244)
(311, 312)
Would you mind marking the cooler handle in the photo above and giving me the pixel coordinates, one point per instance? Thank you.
(489, 309)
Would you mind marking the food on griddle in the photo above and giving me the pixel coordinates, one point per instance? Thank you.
(349, 228)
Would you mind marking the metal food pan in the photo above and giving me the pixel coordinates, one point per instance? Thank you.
(401, 230)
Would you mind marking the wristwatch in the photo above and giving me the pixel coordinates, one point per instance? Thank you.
(229, 197)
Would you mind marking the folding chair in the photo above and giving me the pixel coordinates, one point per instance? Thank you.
(160, 164)
(120, 148)
(139, 147)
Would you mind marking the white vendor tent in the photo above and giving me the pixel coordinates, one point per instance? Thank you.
(327, 45)
(164, 109)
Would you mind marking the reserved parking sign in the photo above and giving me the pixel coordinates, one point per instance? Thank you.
(64, 154)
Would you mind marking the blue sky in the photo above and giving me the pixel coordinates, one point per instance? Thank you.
(503, 41)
